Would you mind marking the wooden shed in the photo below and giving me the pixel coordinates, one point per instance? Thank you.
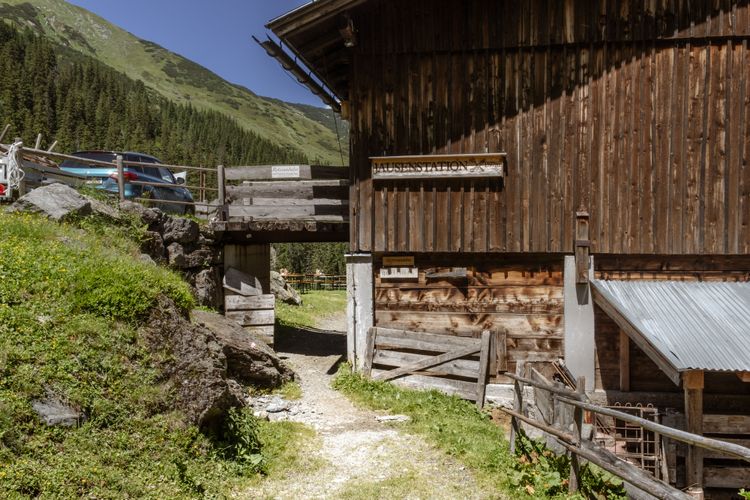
(506, 153)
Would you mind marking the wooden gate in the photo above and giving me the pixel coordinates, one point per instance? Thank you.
(455, 365)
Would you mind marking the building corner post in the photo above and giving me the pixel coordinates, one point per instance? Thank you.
(360, 306)
(580, 346)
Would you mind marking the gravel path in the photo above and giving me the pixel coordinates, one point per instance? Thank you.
(357, 456)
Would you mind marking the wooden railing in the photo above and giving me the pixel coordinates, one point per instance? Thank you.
(580, 446)
(306, 282)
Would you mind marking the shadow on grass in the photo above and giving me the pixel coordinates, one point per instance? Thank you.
(310, 342)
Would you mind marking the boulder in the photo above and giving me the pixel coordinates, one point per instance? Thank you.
(153, 246)
(283, 292)
(104, 210)
(56, 201)
(179, 230)
(153, 218)
(188, 257)
(207, 284)
(193, 364)
(54, 412)
(242, 283)
(249, 359)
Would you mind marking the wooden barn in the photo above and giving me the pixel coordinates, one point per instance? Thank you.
(570, 176)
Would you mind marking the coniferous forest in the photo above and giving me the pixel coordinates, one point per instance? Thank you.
(84, 104)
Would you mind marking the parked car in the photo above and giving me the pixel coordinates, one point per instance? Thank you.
(168, 189)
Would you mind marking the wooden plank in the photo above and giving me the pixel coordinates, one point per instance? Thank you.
(286, 172)
(288, 212)
(369, 352)
(266, 333)
(242, 303)
(693, 382)
(727, 424)
(426, 363)
(726, 477)
(465, 368)
(295, 202)
(422, 340)
(483, 368)
(253, 318)
(501, 351)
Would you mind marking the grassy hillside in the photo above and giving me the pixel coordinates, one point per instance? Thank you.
(72, 300)
(306, 128)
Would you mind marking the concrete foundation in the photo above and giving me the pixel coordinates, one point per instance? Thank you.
(579, 324)
(360, 306)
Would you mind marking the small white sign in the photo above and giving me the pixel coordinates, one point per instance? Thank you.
(285, 172)
(390, 273)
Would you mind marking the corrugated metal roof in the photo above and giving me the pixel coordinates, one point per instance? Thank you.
(694, 325)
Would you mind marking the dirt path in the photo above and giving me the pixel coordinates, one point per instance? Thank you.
(355, 455)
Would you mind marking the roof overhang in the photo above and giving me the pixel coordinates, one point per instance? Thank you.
(682, 326)
(313, 36)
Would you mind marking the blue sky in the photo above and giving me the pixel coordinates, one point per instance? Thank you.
(215, 34)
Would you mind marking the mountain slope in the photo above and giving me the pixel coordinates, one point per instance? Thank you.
(178, 78)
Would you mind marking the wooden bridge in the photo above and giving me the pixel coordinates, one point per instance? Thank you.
(283, 203)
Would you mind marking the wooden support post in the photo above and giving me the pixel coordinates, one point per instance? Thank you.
(693, 383)
(484, 362)
(515, 425)
(120, 177)
(38, 143)
(574, 480)
(221, 185)
(624, 362)
(52, 147)
(582, 246)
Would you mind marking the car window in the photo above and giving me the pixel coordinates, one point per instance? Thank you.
(166, 175)
(99, 156)
(152, 172)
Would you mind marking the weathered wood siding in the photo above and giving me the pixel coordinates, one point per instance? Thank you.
(516, 294)
(638, 110)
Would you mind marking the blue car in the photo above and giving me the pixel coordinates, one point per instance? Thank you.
(167, 188)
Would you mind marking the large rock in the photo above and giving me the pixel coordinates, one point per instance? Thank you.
(57, 201)
(193, 364)
(250, 360)
(189, 257)
(153, 218)
(54, 412)
(283, 292)
(153, 246)
(207, 284)
(179, 230)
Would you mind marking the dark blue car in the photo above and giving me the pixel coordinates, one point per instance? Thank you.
(167, 188)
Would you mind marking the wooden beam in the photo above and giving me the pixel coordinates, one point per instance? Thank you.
(286, 173)
(652, 352)
(693, 383)
(624, 362)
(483, 367)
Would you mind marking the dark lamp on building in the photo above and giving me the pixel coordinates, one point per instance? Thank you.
(348, 33)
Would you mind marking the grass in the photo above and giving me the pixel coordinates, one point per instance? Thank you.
(72, 298)
(316, 305)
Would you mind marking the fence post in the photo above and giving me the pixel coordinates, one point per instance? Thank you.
(515, 425)
(221, 185)
(120, 177)
(574, 482)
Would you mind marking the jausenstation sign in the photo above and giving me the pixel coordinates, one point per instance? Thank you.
(438, 166)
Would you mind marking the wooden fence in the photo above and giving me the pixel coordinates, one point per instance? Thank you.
(306, 282)
(456, 365)
(555, 402)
